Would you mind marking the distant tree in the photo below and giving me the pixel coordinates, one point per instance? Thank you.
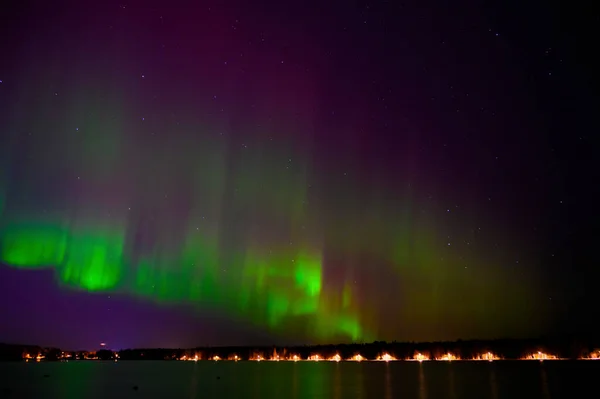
(53, 354)
(104, 354)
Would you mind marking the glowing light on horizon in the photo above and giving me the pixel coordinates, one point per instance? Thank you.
(489, 356)
(357, 358)
(448, 357)
(315, 358)
(216, 358)
(541, 356)
(294, 358)
(594, 355)
(257, 358)
(386, 357)
(335, 358)
(193, 358)
(419, 357)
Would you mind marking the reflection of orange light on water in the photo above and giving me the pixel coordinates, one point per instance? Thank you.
(315, 358)
(541, 356)
(489, 356)
(357, 358)
(386, 357)
(335, 358)
(419, 357)
(448, 357)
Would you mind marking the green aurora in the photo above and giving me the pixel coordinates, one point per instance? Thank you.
(244, 215)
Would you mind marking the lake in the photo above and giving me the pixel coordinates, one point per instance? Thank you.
(300, 380)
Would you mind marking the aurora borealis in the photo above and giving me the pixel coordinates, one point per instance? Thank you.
(311, 177)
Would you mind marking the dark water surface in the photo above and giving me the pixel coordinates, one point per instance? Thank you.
(282, 380)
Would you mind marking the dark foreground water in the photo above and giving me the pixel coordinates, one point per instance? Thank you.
(282, 380)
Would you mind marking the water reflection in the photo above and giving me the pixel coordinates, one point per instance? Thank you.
(79, 379)
(451, 385)
(257, 380)
(493, 383)
(544, 380)
(295, 381)
(315, 378)
(337, 382)
(388, 382)
(194, 383)
(422, 383)
(360, 391)
(302, 380)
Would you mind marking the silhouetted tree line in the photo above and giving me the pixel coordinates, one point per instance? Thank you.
(10, 352)
(563, 347)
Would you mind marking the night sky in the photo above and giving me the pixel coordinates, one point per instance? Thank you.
(252, 172)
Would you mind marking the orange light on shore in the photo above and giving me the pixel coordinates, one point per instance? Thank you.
(216, 358)
(275, 356)
(357, 358)
(595, 355)
(315, 358)
(447, 357)
(541, 356)
(489, 356)
(294, 358)
(194, 358)
(235, 358)
(386, 357)
(335, 358)
(419, 357)
(257, 358)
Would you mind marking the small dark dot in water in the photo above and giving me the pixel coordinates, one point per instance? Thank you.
(218, 378)
(46, 375)
(135, 388)
(6, 391)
